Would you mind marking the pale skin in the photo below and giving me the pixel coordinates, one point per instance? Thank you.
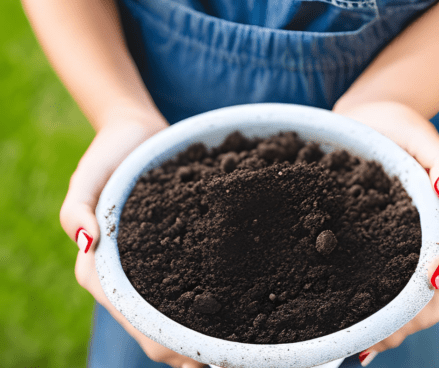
(83, 40)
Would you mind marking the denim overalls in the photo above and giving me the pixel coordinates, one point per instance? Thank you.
(199, 55)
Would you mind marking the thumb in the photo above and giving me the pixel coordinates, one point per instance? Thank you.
(79, 222)
(422, 142)
(108, 149)
(78, 210)
(433, 273)
(433, 172)
(95, 167)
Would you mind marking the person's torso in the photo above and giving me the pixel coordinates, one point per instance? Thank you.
(198, 55)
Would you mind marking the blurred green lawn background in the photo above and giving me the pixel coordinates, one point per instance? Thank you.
(44, 315)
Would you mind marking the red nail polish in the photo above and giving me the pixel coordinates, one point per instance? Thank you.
(88, 238)
(77, 233)
(436, 188)
(428, 171)
(434, 277)
(363, 356)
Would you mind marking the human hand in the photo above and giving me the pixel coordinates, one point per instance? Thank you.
(428, 317)
(418, 137)
(111, 145)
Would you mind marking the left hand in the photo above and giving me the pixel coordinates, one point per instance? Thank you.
(119, 136)
(419, 138)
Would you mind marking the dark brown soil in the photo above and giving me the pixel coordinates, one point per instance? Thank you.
(268, 241)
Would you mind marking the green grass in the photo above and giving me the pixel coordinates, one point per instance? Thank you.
(44, 315)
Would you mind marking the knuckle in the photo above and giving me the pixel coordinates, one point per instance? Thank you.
(424, 323)
(80, 278)
(395, 341)
(73, 178)
(155, 355)
(64, 214)
(159, 353)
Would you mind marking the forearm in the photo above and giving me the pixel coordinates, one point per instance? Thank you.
(399, 91)
(84, 42)
(406, 72)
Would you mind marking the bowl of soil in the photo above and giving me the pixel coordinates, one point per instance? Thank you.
(268, 235)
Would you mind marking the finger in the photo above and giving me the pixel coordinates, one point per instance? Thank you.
(88, 278)
(423, 145)
(425, 319)
(391, 342)
(433, 273)
(434, 174)
(367, 356)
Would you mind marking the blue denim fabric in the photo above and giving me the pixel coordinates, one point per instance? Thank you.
(192, 61)
(112, 347)
(199, 55)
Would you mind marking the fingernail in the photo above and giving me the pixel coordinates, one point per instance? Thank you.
(435, 278)
(366, 357)
(436, 188)
(83, 239)
(428, 171)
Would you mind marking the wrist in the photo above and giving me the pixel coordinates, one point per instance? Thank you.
(119, 115)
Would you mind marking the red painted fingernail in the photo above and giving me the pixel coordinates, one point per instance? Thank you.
(435, 278)
(436, 188)
(428, 171)
(363, 356)
(83, 239)
(77, 233)
(367, 357)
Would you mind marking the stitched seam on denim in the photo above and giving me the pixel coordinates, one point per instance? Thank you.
(354, 4)
(250, 27)
(245, 58)
(352, 1)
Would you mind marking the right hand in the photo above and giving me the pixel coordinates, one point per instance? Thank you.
(111, 145)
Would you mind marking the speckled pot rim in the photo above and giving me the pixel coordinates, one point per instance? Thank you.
(312, 124)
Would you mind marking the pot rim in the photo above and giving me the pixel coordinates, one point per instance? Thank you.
(312, 124)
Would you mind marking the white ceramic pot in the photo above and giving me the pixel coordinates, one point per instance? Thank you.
(332, 132)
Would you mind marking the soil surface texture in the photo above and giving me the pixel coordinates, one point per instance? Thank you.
(268, 240)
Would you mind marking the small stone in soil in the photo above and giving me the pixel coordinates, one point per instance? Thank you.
(326, 242)
(206, 303)
(229, 161)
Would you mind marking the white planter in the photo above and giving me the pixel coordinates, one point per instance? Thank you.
(263, 120)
